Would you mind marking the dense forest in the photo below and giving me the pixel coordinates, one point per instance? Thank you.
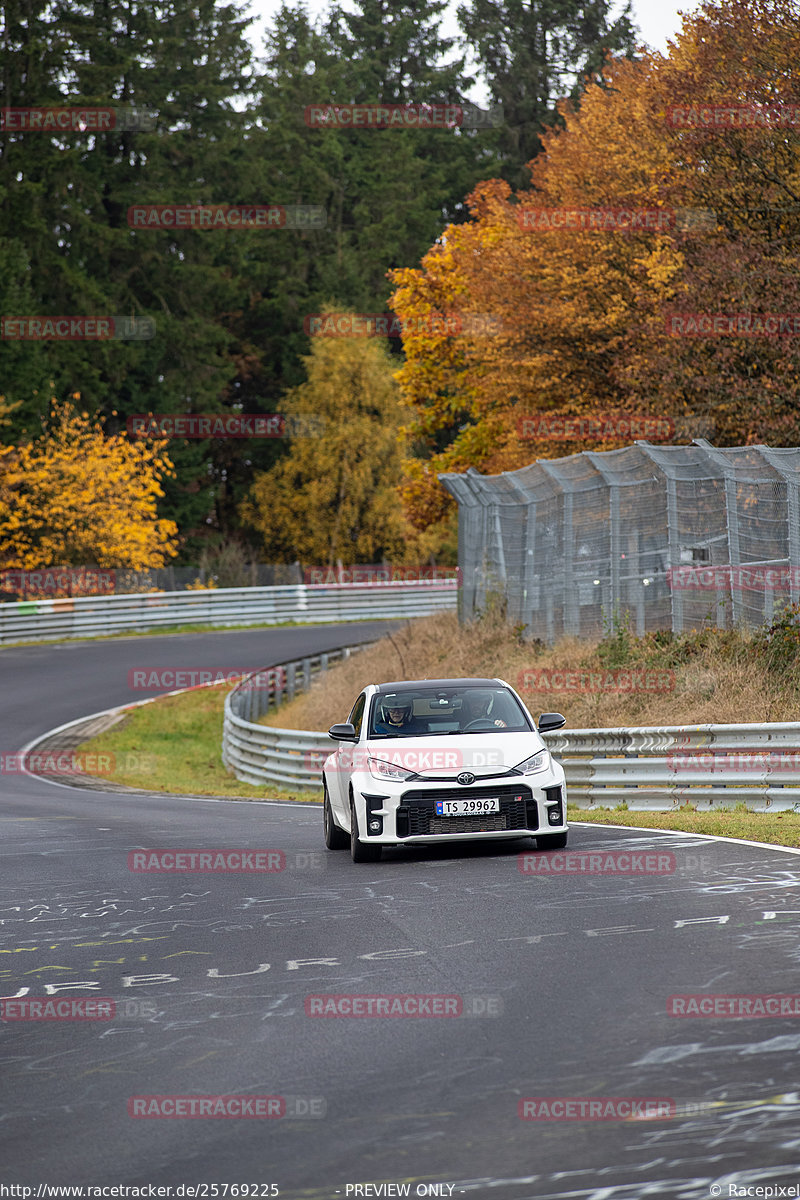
(497, 315)
(227, 308)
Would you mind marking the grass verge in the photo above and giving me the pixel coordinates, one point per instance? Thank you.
(779, 829)
(177, 743)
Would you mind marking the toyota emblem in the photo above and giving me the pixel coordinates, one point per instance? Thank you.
(466, 777)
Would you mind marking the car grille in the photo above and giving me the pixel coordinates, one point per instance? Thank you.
(416, 814)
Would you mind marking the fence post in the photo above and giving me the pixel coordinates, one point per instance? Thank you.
(676, 596)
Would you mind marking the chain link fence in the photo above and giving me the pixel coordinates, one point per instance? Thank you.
(677, 537)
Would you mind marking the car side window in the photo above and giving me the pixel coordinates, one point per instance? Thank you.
(357, 715)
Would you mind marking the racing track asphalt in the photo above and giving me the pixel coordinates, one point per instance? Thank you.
(577, 970)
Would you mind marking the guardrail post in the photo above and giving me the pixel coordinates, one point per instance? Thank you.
(247, 697)
(262, 695)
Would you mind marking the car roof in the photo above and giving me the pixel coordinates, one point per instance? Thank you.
(401, 684)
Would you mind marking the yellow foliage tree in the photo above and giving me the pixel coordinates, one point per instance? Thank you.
(75, 496)
(6, 409)
(333, 497)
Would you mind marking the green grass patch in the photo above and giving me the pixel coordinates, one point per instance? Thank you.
(779, 829)
(178, 742)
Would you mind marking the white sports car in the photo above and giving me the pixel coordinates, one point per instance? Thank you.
(441, 760)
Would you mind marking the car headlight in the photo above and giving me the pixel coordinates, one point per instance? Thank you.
(379, 769)
(537, 762)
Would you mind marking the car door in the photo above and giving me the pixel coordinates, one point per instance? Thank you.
(346, 753)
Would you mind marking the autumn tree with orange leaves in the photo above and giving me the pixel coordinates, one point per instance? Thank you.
(75, 496)
(583, 314)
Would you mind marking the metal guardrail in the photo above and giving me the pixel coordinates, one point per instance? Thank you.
(258, 753)
(93, 616)
(654, 769)
(661, 768)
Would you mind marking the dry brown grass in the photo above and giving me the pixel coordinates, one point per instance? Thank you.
(719, 676)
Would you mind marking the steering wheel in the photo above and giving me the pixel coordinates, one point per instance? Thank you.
(487, 722)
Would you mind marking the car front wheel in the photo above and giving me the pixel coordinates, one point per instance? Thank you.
(335, 838)
(551, 841)
(360, 852)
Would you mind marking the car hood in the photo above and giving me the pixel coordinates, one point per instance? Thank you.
(444, 757)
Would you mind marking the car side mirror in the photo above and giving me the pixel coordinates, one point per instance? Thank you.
(343, 733)
(550, 721)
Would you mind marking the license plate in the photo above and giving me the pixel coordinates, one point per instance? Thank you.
(467, 808)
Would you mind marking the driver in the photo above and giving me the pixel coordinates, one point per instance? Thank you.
(395, 716)
(475, 707)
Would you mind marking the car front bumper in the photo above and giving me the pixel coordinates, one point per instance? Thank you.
(404, 813)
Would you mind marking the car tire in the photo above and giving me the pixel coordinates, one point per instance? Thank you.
(360, 852)
(551, 841)
(335, 838)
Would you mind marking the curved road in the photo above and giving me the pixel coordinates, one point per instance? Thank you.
(562, 980)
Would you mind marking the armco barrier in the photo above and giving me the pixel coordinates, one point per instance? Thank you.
(259, 754)
(93, 616)
(649, 769)
(661, 768)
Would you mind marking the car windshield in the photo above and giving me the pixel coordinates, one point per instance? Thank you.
(421, 712)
